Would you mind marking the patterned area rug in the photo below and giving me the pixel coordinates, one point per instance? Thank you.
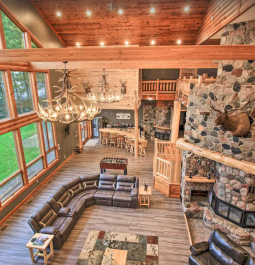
(141, 250)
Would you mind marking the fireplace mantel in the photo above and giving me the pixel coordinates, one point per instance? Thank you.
(247, 167)
(199, 179)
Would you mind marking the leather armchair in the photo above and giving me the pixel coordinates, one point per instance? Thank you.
(219, 250)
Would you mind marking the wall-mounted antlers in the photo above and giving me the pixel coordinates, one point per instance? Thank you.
(238, 125)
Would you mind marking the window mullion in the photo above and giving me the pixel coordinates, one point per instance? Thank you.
(79, 133)
(27, 39)
(2, 37)
(20, 155)
(47, 134)
(10, 94)
(54, 130)
(41, 143)
(34, 90)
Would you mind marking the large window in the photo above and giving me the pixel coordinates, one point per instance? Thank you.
(49, 141)
(4, 113)
(84, 132)
(22, 92)
(14, 37)
(34, 46)
(42, 91)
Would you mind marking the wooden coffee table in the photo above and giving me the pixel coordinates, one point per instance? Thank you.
(145, 196)
(41, 250)
(120, 256)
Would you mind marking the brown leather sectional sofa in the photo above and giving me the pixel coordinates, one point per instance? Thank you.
(60, 213)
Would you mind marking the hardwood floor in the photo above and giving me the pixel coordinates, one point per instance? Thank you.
(164, 219)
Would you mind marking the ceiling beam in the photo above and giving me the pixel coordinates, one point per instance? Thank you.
(126, 65)
(220, 13)
(131, 54)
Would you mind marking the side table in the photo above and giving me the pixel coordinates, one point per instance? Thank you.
(41, 250)
(145, 196)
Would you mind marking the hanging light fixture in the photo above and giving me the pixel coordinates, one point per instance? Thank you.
(106, 95)
(63, 108)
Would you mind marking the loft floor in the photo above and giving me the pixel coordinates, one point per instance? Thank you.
(164, 219)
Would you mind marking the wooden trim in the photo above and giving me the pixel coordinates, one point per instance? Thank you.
(21, 190)
(2, 37)
(41, 143)
(10, 177)
(10, 94)
(39, 11)
(187, 225)
(34, 161)
(27, 39)
(128, 54)
(15, 20)
(218, 157)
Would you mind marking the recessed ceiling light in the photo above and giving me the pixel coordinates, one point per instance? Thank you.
(152, 10)
(88, 12)
(101, 43)
(120, 11)
(58, 14)
(186, 8)
(126, 42)
(150, 98)
(77, 44)
(152, 42)
(179, 41)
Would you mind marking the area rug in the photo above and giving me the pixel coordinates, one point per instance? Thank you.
(91, 142)
(141, 250)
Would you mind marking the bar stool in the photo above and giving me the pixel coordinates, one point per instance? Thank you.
(113, 139)
(127, 143)
(120, 141)
(141, 148)
(105, 138)
(132, 146)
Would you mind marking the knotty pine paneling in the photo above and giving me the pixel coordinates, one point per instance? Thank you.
(137, 25)
(113, 79)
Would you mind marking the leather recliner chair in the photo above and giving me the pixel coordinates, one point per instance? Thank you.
(219, 250)
(59, 215)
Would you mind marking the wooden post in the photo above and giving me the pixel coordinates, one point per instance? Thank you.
(136, 123)
(157, 88)
(176, 121)
(200, 80)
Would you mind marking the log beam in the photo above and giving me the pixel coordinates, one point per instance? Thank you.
(131, 54)
(176, 121)
(218, 157)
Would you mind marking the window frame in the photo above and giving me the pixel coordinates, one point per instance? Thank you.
(89, 132)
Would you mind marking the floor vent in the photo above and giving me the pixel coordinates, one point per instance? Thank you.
(30, 201)
(3, 227)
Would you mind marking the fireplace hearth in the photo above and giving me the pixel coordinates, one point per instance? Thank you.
(240, 217)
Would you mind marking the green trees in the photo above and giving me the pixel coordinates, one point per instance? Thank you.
(3, 103)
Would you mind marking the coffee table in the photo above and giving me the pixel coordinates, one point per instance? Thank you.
(145, 196)
(41, 250)
(119, 256)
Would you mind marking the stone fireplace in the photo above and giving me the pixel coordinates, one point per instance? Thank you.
(231, 198)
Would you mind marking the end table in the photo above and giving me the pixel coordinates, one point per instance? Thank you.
(145, 196)
(41, 250)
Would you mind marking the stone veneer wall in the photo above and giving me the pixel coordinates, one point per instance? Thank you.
(158, 115)
(234, 86)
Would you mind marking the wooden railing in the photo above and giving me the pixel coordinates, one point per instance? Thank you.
(159, 86)
(167, 161)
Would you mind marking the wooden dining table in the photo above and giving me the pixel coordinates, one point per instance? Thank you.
(129, 135)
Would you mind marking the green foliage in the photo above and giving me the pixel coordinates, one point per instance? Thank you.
(13, 35)
(34, 46)
(8, 158)
(3, 103)
(41, 86)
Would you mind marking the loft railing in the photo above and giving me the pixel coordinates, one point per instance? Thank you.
(159, 86)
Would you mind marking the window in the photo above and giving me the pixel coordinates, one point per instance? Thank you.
(4, 113)
(30, 142)
(41, 86)
(34, 46)
(83, 130)
(49, 141)
(14, 37)
(22, 92)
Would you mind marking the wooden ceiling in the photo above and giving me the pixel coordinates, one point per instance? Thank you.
(136, 25)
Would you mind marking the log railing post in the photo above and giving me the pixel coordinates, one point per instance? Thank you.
(136, 123)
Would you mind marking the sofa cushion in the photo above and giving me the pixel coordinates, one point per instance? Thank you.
(250, 261)
(126, 178)
(52, 230)
(106, 185)
(54, 205)
(104, 194)
(86, 193)
(64, 211)
(74, 187)
(220, 243)
(59, 221)
(63, 199)
(45, 216)
(59, 193)
(204, 259)
(122, 196)
(125, 186)
(66, 228)
(90, 182)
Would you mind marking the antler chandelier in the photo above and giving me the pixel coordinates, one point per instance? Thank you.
(63, 108)
(106, 95)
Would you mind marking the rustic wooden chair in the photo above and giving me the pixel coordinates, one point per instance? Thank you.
(132, 146)
(127, 143)
(141, 148)
(105, 140)
(120, 141)
(113, 139)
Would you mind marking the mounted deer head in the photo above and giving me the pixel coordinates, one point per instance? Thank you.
(239, 124)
